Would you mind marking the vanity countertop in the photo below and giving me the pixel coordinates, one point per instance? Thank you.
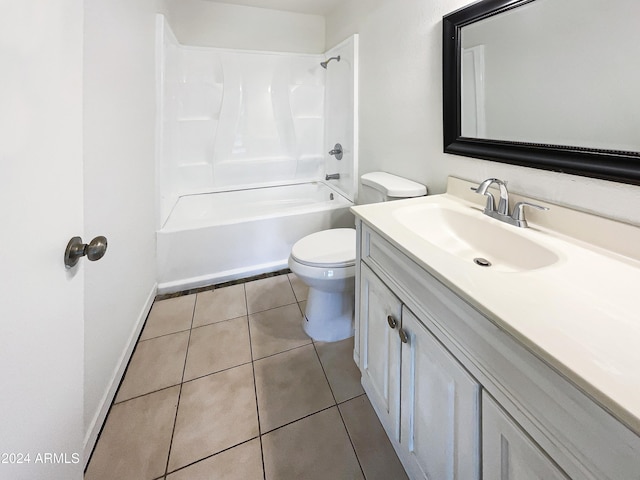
(581, 314)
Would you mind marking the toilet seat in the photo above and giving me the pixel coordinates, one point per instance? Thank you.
(335, 248)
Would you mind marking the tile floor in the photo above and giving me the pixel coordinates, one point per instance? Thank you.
(224, 384)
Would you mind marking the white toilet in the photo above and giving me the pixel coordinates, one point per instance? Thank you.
(325, 262)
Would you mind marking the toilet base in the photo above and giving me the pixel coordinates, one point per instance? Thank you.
(329, 315)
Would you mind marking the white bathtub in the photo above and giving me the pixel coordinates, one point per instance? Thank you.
(216, 237)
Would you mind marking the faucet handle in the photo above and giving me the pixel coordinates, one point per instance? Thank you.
(518, 212)
(491, 204)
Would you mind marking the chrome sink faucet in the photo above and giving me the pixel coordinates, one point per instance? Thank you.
(503, 205)
(516, 218)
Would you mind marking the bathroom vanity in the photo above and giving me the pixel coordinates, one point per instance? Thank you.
(527, 368)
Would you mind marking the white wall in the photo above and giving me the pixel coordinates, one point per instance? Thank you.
(401, 109)
(211, 24)
(236, 119)
(119, 142)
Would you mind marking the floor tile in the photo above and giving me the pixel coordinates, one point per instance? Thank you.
(276, 330)
(134, 443)
(269, 293)
(216, 412)
(340, 368)
(216, 421)
(243, 462)
(300, 289)
(156, 363)
(216, 347)
(169, 316)
(377, 457)
(220, 304)
(290, 385)
(314, 448)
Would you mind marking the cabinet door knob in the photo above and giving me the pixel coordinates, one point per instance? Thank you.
(403, 336)
(393, 323)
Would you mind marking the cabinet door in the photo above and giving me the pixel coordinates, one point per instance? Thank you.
(440, 408)
(507, 452)
(380, 349)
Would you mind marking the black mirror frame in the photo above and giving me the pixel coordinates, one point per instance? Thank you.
(619, 166)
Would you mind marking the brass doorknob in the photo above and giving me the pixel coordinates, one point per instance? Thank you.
(95, 250)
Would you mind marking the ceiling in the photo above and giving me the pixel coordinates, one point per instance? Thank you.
(312, 7)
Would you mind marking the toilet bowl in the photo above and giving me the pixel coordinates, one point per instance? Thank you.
(325, 262)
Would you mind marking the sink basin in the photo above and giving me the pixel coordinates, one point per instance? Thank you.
(474, 237)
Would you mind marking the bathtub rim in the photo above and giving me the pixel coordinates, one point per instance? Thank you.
(345, 202)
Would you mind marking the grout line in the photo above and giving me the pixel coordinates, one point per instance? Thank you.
(339, 412)
(298, 301)
(351, 442)
(145, 394)
(255, 386)
(301, 418)
(184, 368)
(195, 327)
(315, 349)
(283, 351)
(210, 456)
(183, 381)
(272, 308)
(140, 340)
(293, 289)
(216, 372)
(352, 398)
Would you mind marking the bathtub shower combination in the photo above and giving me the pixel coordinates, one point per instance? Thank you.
(214, 237)
(243, 164)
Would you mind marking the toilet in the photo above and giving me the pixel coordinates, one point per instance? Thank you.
(325, 262)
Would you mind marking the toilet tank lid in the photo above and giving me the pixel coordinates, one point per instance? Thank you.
(392, 185)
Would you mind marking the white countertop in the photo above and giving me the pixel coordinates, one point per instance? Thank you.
(580, 315)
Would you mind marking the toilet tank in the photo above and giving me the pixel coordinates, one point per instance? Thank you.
(383, 186)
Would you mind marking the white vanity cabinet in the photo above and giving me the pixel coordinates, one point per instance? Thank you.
(427, 402)
(461, 398)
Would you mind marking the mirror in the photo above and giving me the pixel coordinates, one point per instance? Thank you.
(545, 84)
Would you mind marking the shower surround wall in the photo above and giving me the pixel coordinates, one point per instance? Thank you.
(237, 119)
(232, 120)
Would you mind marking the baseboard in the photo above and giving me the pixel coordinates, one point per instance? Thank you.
(98, 420)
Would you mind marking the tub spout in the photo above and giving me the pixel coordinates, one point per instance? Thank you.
(332, 176)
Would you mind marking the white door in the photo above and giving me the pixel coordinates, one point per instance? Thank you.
(380, 349)
(440, 408)
(41, 303)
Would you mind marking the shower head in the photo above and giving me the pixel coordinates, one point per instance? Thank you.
(326, 62)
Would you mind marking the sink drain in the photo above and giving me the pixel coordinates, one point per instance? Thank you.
(483, 262)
